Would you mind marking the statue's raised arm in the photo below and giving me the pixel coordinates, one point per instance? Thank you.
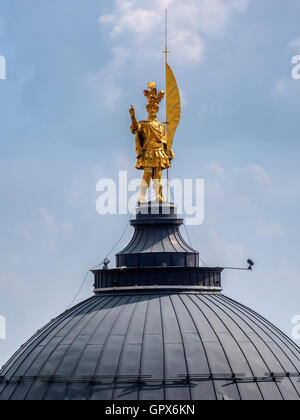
(134, 123)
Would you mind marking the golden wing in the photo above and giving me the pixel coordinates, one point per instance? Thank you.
(173, 106)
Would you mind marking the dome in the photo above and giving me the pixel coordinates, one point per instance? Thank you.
(161, 346)
(156, 333)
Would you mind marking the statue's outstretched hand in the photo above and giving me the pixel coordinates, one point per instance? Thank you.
(132, 111)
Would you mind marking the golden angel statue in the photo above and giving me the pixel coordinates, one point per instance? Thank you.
(153, 153)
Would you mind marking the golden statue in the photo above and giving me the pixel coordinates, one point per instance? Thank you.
(153, 140)
(153, 155)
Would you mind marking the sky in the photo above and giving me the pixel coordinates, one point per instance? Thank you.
(73, 70)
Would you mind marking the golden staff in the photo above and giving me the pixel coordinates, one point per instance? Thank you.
(173, 102)
(166, 52)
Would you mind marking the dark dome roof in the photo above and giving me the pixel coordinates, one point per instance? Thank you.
(155, 345)
(158, 328)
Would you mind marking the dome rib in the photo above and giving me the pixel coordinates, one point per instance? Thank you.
(263, 349)
(260, 325)
(196, 300)
(268, 332)
(68, 329)
(185, 246)
(176, 368)
(18, 359)
(236, 330)
(188, 333)
(73, 336)
(295, 383)
(163, 345)
(135, 240)
(40, 334)
(253, 388)
(50, 394)
(108, 352)
(182, 297)
(261, 320)
(131, 366)
(142, 347)
(170, 232)
(270, 350)
(168, 247)
(162, 241)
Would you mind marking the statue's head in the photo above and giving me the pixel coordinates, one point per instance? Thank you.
(152, 110)
(154, 99)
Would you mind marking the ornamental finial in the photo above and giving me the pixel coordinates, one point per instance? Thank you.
(151, 94)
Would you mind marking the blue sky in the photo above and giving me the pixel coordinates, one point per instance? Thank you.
(73, 70)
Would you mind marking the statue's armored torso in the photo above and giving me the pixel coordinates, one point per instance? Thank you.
(151, 145)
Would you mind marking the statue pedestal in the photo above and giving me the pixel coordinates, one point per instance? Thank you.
(157, 241)
(156, 208)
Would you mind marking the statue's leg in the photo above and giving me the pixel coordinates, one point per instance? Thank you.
(157, 184)
(145, 184)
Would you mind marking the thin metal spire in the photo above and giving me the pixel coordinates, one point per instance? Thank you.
(166, 52)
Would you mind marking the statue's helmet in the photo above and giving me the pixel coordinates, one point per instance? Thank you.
(153, 97)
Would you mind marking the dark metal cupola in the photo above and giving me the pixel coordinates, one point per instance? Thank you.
(158, 257)
(157, 241)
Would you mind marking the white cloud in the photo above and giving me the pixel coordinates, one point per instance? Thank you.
(190, 44)
(215, 168)
(189, 22)
(104, 85)
(214, 15)
(256, 172)
(136, 28)
(259, 174)
(141, 21)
